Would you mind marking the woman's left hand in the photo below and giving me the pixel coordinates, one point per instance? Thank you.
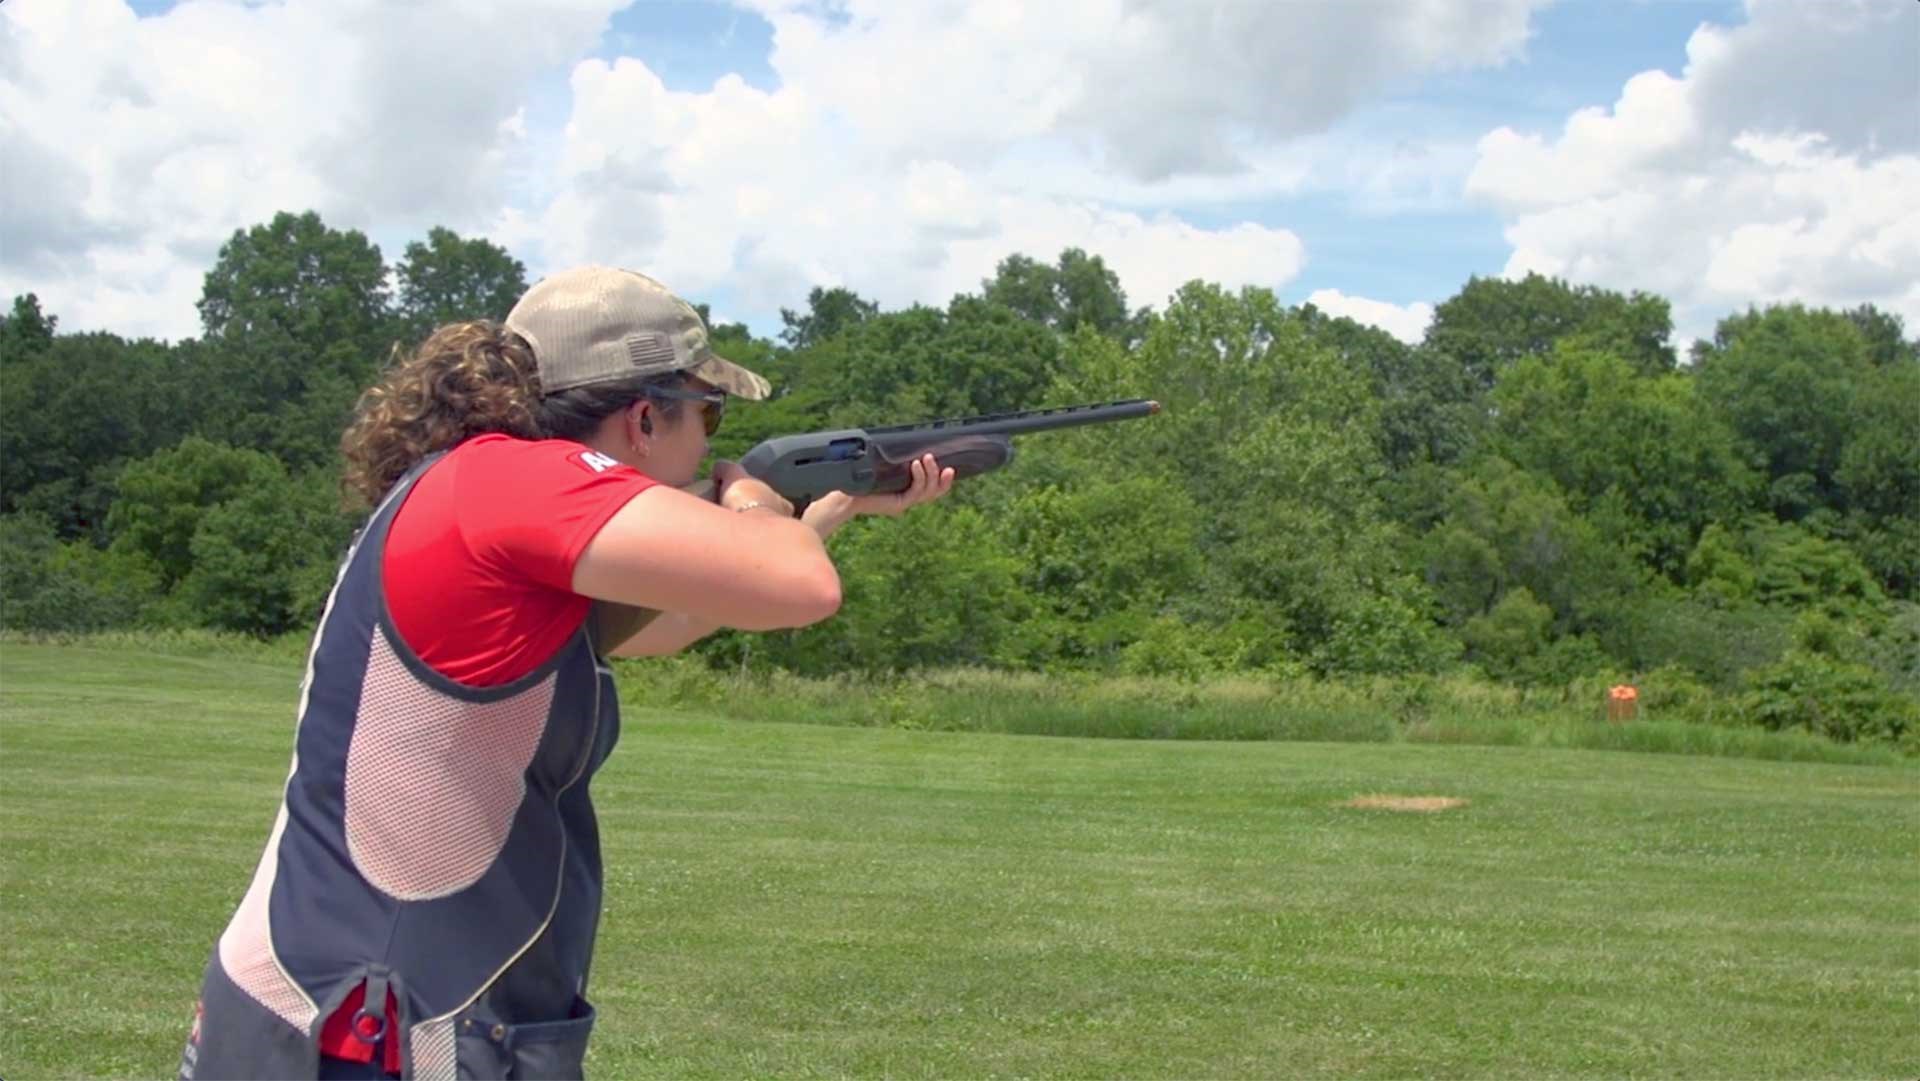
(833, 510)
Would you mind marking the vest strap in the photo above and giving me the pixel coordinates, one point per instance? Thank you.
(370, 1020)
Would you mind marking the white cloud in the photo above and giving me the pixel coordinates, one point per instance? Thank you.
(1779, 166)
(766, 194)
(135, 147)
(910, 147)
(906, 149)
(1407, 322)
(1848, 69)
(1159, 88)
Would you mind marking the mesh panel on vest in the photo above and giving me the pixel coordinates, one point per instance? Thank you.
(433, 781)
(433, 1051)
(246, 947)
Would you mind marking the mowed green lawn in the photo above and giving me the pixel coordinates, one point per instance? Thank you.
(800, 901)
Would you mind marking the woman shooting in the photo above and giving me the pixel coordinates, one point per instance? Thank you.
(427, 901)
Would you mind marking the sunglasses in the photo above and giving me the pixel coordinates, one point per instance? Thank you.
(716, 403)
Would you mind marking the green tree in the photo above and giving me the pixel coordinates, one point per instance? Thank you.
(1750, 582)
(76, 410)
(25, 332)
(1508, 639)
(1090, 294)
(1719, 568)
(1078, 290)
(1795, 568)
(1704, 634)
(1586, 419)
(830, 312)
(1506, 528)
(1431, 408)
(29, 597)
(448, 279)
(264, 558)
(1493, 322)
(927, 590)
(48, 585)
(164, 498)
(797, 404)
(923, 363)
(1101, 556)
(1274, 438)
(1788, 380)
(317, 286)
(297, 322)
(1834, 698)
(1886, 336)
(1878, 476)
(1026, 286)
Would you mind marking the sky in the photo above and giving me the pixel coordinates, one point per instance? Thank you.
(1368, 156)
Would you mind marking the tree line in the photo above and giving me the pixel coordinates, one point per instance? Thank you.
(1540, 492)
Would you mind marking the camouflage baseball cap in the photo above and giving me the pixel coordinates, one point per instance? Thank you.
(596, 324)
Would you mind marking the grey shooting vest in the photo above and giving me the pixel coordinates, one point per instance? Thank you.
(435, 840)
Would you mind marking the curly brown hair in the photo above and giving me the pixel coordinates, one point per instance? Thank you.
(468, 379)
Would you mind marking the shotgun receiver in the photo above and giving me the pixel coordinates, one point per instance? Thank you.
(859, 461)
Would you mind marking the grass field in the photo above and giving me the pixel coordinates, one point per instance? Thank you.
(798, 900)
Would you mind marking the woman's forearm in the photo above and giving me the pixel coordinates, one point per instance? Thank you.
(670, 632)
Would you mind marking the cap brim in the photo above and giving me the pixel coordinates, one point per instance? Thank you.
(731, 377)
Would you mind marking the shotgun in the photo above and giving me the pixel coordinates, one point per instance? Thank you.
(860, 461)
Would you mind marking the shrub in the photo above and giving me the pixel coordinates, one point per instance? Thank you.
(1170, 647)
(1575, 657)
(1671, 692)
(163, 498)
(47, 585)
(264, 559)
(1505, 639)
(1893, 649)
(1716, 640)
(923, 590)
(682, 680)
(1837, 699)
(1389, 633)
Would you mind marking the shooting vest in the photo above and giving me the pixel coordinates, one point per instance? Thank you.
(435, 840)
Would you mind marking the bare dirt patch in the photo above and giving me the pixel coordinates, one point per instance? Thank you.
(1420, 804)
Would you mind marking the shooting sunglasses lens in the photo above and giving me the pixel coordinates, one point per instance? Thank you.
(713, 403)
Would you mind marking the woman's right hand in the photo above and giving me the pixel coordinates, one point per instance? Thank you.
(738, 489)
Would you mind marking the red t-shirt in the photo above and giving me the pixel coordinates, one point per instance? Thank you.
(478, 571)
(479, 561)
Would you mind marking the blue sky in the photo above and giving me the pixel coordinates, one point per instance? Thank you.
(1372, 155)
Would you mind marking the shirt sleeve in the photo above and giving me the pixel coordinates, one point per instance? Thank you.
(532, 507)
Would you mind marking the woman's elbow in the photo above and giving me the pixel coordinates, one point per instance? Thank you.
(823, 596)
(810, 595)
